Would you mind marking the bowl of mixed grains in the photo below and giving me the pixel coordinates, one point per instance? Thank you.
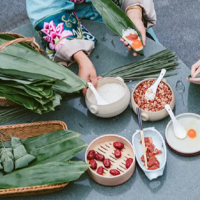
(152, 110)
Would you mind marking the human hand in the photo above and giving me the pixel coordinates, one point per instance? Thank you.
(86, 69)
(136, 17)
(195, 70)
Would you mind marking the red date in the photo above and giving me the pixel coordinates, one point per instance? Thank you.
(93, 164)
(117, 153)
(100, 170)
(118, 145)
(114, 172)
(99, 157)
(91, 155)
(107, 163)
(129, 161)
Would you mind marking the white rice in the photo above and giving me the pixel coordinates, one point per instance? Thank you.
(110, 92)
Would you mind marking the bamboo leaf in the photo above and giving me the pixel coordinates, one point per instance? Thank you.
(44, 174)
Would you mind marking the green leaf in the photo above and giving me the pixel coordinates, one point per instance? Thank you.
(198, 76)
(59, 145)
(44, 174)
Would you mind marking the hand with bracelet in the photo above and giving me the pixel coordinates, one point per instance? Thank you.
(135, 14)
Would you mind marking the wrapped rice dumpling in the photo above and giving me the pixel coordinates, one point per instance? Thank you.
(22, 158)
(7, 159)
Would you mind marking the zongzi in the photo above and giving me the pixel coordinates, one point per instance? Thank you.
(7, 159)
(22, 158)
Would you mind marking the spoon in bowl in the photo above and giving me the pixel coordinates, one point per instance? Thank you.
(100, 100)
(179, 130)
(151, 92)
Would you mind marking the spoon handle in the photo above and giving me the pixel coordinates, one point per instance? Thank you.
(94, 91)
(162, 74)
(171, 114)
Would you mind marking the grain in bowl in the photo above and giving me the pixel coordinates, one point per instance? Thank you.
(163, 96)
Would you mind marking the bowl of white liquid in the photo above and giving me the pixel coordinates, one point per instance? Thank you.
(115, 92)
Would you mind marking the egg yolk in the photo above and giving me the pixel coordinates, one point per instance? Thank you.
(192, 133)
(137, 44)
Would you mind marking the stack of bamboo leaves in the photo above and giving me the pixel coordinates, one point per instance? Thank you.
(53, 151)
(149, 67)
(32, 80)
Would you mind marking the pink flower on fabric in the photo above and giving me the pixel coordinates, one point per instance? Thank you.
(66, 34)
(54, 33)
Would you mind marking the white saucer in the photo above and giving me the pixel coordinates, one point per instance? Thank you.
(186, 146)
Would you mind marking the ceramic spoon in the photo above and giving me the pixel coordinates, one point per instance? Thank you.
(151, 92)
(100, 100)
(179, 130)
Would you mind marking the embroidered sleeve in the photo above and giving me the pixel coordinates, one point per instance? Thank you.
(149, 14)
(63, 35)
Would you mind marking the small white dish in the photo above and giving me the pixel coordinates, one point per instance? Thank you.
(159, 143)
(187, 146)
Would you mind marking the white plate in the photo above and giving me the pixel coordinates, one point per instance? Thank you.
(186, 146)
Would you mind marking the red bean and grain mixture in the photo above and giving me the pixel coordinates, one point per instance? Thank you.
(163, 96)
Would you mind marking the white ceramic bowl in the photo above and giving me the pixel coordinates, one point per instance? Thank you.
(104, 145)
(113, 109)
(159, 143)
(148, 115)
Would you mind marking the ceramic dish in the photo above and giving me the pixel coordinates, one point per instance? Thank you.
(186, 146)
(104, 146)
(159, 143)
(113, 109)
(152, 116)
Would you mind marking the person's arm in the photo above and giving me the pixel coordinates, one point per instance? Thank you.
(195, 71)
(86, 69)
(64, 38)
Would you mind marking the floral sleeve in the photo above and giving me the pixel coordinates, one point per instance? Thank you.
(63, 35)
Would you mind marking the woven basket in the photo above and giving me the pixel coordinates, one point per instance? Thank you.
(26, 131)
(19, 38)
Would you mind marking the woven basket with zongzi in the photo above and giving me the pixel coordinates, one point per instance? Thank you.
(26, 131)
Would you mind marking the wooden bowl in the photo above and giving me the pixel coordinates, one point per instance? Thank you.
(104, 146)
